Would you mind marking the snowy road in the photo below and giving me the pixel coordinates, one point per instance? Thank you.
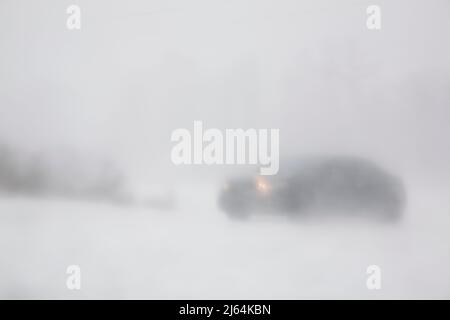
(198, 253)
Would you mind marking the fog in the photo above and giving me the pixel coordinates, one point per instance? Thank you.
(86, 116)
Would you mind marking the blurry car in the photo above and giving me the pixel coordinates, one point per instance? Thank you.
(319, 185)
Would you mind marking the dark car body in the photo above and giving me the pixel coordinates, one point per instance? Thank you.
(304, 186)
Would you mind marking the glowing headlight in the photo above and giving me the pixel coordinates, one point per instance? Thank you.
(262, 185)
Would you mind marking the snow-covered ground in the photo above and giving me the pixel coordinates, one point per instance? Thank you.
(197, 252)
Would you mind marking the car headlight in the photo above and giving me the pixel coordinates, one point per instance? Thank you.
(262, 185)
